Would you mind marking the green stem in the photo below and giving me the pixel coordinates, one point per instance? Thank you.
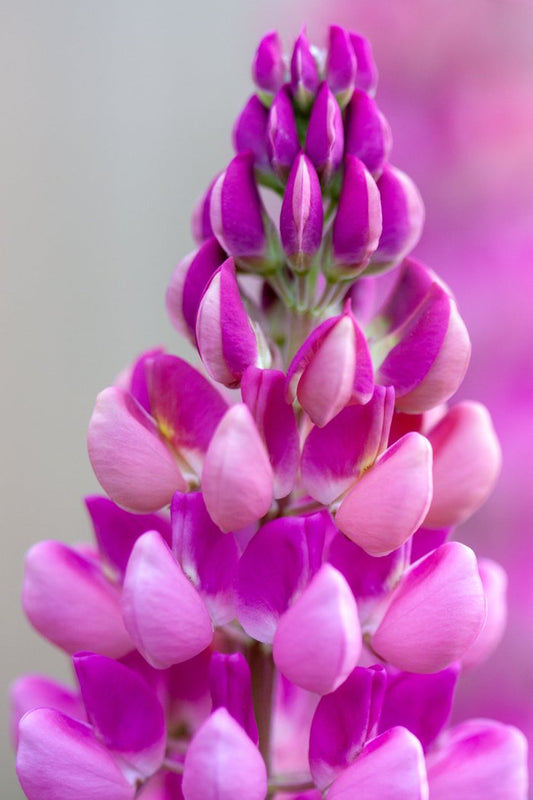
(263, 671)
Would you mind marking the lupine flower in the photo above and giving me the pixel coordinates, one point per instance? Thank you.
(298, 623)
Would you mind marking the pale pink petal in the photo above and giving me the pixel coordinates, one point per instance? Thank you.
(69, 601)
(36, 691)
(389, 502)
(131, 460)
(163, 612)
(318, 640)
(60, 759)
(466, 464)
(494, 580)
(435, 613)
(237, 479)
(222, 763)
(391, 767)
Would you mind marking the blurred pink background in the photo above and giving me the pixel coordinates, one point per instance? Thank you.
(115, 117)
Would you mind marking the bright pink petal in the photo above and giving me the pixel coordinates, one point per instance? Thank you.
(237, 479)
(60, 759)
(390, 501)
(69, 601)
(35, 691)
(222, 763)
(164, 613)
(479, 759)
(130, 458)
(494, 580)
(124, 711)
(391, 767)
(435, 613)
(466, 464)
(318, 640)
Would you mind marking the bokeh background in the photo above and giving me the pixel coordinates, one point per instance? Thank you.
(115, 115)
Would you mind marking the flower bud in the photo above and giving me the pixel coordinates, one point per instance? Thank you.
(368, 134)
(341, 65)
(403, 219)
(357, 224)
(201, 216)
(227, 340)
(250, 132)
(268, 68)
(304, 73)
(332, 369)
(238, 218)
(187, 285)
(318, 640)
(282, 135)
(302, 215)
(324, 141)
(435, 613)
(231, 688)
(367, 73)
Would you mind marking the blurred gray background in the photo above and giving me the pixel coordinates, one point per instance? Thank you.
(115, 116)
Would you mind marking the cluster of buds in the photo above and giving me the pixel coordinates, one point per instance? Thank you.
(274, 606)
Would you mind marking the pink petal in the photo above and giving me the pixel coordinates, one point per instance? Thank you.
(391, 767)
(435, 613)
(222, 763)
(237, 479)
(130, 458)
(35, 691)
(318, 640)
(69, 601)
(390, 501)
(263, 391)
(466, 464)
(479, 759)
(163, 612)
(124, 711)
(494, 580)
(59, 759)
(231, 688)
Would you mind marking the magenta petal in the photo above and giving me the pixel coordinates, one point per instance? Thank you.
(268, 69)
(226, 339)
(466, 464)
(250, 130)
(263, 391)
(479, 759)
(207, 556)
(237, 479)
(163, 612)
(69, 601)
(357, 225)
(435, 613)
(420, 703)
(302, 215)
(304, 72)
(36, 691)
(185, 405)
(116, 530)
(368, 134)
(280, 560)
(390, 501)
(334, 456)
(494, 580)
(367, 73)
(324, 141)
(344, 720)
(137, 384)
(125, 712)
(187, 284)
(131, 460)
(222, 763)
(318, 640)
(282, 134)
(403, 218)
(391, 767)
(59, 759)
(231, 688)
(367, 577)
(341, 64)
(163, 786)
